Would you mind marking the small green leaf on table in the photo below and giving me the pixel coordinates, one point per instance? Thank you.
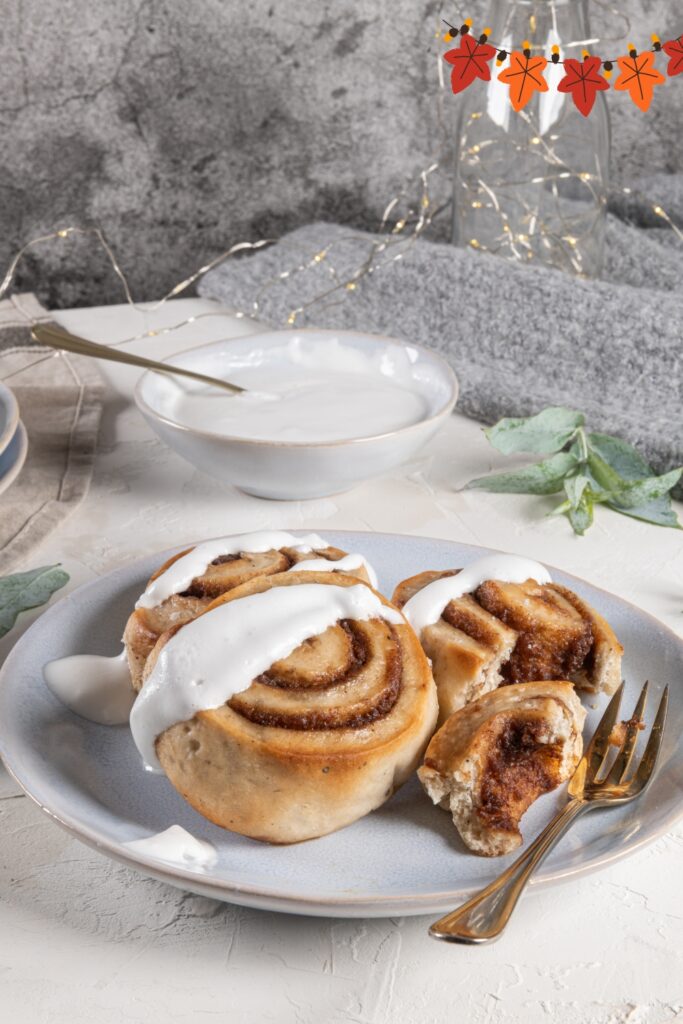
(620, 456)
(580, 515)
(547, 432)
(659, 513)
(590, 468)
(24, 590)
(545, 477)
(639, 492)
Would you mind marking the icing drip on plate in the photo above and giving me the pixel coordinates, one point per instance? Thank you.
(427, 606)
(176, 846)
(92, 686)
(220, 653)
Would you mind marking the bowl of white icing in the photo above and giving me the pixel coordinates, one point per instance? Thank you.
(322, 410)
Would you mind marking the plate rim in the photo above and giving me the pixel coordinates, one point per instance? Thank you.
(11, 474)
(8, 400)
(262, 897)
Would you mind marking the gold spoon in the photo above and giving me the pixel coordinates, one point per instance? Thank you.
(58, 338)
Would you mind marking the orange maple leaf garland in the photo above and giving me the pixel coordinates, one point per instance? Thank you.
(524, 76)
(583, 80)
(638, 77)
(674, 50)
(470, 60)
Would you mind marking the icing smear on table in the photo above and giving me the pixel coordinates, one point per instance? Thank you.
(428, 605)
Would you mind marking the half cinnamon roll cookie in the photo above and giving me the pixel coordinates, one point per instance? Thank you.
(492, 759)
(293, 705)
(503, 620)
(186, 584)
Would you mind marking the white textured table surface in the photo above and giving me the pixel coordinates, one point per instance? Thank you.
(85, 940)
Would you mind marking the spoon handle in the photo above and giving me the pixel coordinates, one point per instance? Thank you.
(58, 338)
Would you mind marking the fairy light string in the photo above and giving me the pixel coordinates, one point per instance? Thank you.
(405, 219)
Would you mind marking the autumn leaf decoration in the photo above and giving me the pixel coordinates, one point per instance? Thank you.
(470, 60)
(639, 76)
(674, 50)
(584, 81)
(524, 76)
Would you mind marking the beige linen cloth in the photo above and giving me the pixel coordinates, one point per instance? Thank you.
(60, 402)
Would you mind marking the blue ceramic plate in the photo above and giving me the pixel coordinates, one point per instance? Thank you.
(13, 457)
(9, 416)
(405, 858)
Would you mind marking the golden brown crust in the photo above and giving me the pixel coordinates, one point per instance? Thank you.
(531, 632)
(145, 625)
(553, 638)
(601, 672)
(492, 759)
(288, 762)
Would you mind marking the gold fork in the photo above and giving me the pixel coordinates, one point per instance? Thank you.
(483, 918)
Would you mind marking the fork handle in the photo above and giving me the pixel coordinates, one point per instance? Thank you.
(483, 918)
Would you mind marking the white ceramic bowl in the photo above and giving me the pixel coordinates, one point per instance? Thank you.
(292, 470)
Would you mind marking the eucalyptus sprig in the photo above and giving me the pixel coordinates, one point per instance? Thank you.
(590, 469)
(24, 590)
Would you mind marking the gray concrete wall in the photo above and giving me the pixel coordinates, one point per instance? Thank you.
(182, 127)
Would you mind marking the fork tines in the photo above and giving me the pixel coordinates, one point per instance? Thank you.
(620, 775)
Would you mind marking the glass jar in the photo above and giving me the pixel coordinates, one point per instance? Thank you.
(532, 185)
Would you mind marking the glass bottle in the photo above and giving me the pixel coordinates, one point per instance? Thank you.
(531, 186)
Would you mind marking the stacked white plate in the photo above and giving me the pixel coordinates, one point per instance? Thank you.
(13, 439)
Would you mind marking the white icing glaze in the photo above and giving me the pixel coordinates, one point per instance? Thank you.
(176, 846)
(179, 576)
(305, 396)
(222, 652)
(427, 606)
(94, 687)
(345, 564)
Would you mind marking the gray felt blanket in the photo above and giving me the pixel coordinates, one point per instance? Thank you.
(519, 337)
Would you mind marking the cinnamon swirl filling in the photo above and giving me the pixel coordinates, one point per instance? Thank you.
(229, 571)
(346, 678)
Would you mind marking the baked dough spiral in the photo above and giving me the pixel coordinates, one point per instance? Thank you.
(514, 633)
(223, 574)
(321, 738)
(492, 759)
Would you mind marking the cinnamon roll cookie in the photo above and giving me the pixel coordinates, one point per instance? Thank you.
(492, 759)
(503, 620)
(186, 584)
(291, 706)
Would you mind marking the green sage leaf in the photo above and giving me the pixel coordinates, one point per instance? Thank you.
(545, 477)
(620, 456)
(547, 432)
(581, 516)
(616, 465)
(574, 486)
(639, 492)
(603, 474)
(24, 590)
(659, 512)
